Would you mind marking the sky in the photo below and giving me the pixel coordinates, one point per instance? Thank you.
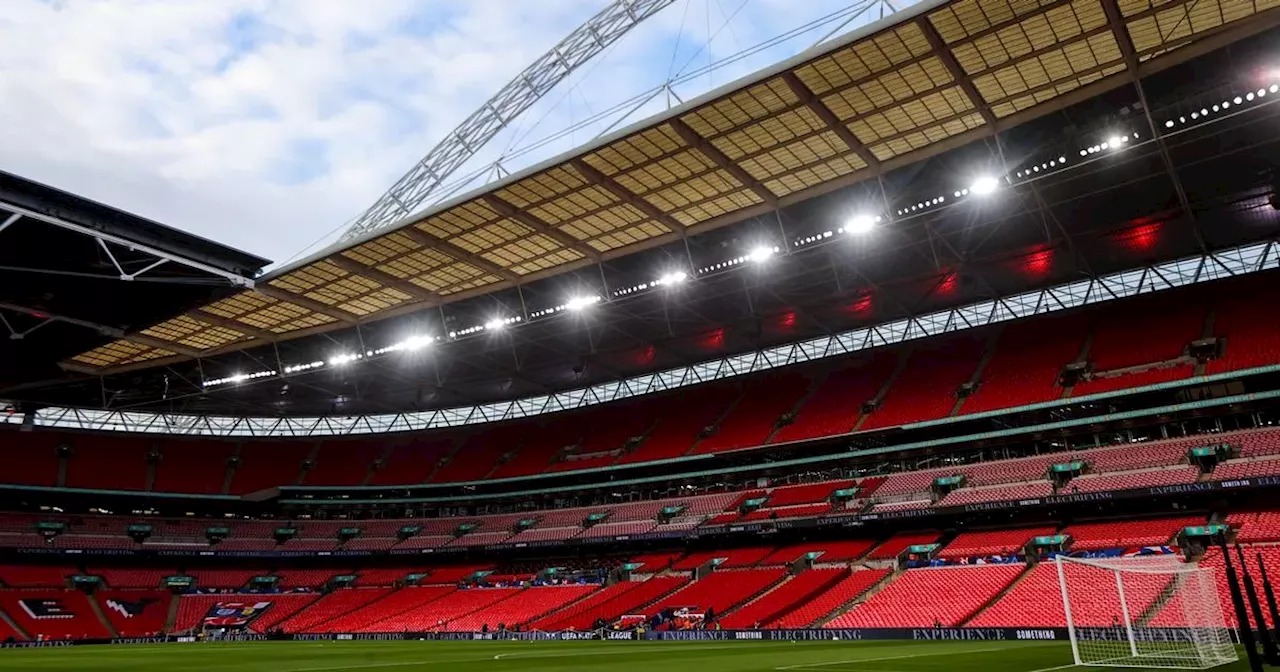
(268, 125)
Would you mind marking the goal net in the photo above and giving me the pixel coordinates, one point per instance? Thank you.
(1154, 611)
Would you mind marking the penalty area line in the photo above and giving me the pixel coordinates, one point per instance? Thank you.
(831, 663)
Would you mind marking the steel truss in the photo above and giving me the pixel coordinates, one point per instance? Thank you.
(1233, 262)
(427, 175)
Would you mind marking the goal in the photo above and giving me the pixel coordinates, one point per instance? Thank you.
(1152, 612)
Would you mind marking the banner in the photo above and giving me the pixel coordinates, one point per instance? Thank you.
(234, 614)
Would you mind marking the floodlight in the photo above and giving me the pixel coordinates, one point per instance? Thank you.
(340, 360)
(672, 278)
(495, 325)
(860, 224)
(984, 185)
(581, 302)
(760, 254)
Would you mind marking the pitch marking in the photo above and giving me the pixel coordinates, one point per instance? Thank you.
(805, 666)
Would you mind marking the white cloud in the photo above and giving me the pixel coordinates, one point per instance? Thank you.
(265, 124)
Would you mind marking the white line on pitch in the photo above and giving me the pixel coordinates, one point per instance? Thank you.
(805, 666)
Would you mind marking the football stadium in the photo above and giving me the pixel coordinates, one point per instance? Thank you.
(951, 343)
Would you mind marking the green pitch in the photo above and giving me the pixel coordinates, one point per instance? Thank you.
(552, 657)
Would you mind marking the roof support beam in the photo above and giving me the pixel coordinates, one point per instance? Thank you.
(457, 253)
(201, 315)
(713, 153)
(829, 118)
(10, 220)
(308, 303)
(626, 196)
(383, 278)
(1120, 30)
(511, 211)
(160, 344)
(948, 59)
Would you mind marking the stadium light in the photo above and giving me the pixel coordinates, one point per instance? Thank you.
(984, 186)
(344, 359)
(761, 253)
(672, 278)
(579, 303)
(495, 324)
(861, 224)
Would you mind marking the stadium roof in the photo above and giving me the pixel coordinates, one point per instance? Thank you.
(924, 81)
(75, 274)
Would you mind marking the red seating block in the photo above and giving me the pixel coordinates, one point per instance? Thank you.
(785, 597)
(330, 607)
(682, 417)
(1025, 365)
(721, 590)
(413, 462)
(135, 613)
(343, 462)
(192, 609)
(390, 606)
(1131, 480)
(609, 603)
(925, 390)
(834, 407)
(198, 467)
(808, 613)
(107, 463)
(1037, 601)
(921, 597)
(31, 611)
(992, 542)
(267, 465)
(895, 545)
(764, 400)
(1129, 533)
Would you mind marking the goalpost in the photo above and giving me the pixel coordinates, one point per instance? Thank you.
(1154, 611)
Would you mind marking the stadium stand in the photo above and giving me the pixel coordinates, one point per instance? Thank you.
(441, 613)
(389, 606)
(926, 388)
(609, 603)
(1127, 534)
(39, 463)
(992, 542)
(267, 464)
(1141, 342)
(782, 598)
(412, 462)
(1255, 526)
(754, 417)
(53, 614)
(810, 612)
(339, 463)
(682, 417)
(1026, 362)
(721, 590)
(332, 606)
(834, 407)
(522, 607)
(1094, 603)
(921, 598)
(34, 576)
(135, 613)
(997, 493)
(198, 467)
(107, 462)
(271, 609)
(843, 550)
(899, 543)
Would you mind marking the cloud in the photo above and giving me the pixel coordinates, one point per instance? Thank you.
(267, 124)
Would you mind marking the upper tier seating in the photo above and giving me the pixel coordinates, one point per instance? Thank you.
(1246, 468)
(788, 595)
(920, 597)
(751, 421)
(107, 462)
(1259, 443)
(809, 493)
(807, 613)
(835, 406)
(1249, 321)
(682, 417)
(198, 467)
(31, 609)
(39, 463)
(1130, 335)
(1025, 365)
(343, 462)
(925, 390)
(1127, 534)
(993, 542)
(620, 599)
(413, 462)
(266, 465)
(721, 590)
(479, 453)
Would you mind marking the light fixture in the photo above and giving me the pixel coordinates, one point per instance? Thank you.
(761, 253)
(578, 303)
(861, 224)
(984, 185)
(495, 324)
(672, 278)
(343, 359)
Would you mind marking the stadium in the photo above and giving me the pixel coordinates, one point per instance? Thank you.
(951, 343)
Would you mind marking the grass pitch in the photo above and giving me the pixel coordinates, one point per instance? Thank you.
(719, 656)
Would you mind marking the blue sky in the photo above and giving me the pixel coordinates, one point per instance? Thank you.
(268, 124)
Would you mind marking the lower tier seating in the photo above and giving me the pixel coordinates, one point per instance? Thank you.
(721, 590)
(1127, 534)
(52, 614)
(895, 545)
(331, 606)
(269, 610)
(1095, 601)
(364, 619)
(937, 595)
(823, 604)
(135, 613)
(522, 607)
(609, 603)
(438, 614)
(784, 597)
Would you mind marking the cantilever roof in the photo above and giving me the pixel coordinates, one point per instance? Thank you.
(920, 82)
